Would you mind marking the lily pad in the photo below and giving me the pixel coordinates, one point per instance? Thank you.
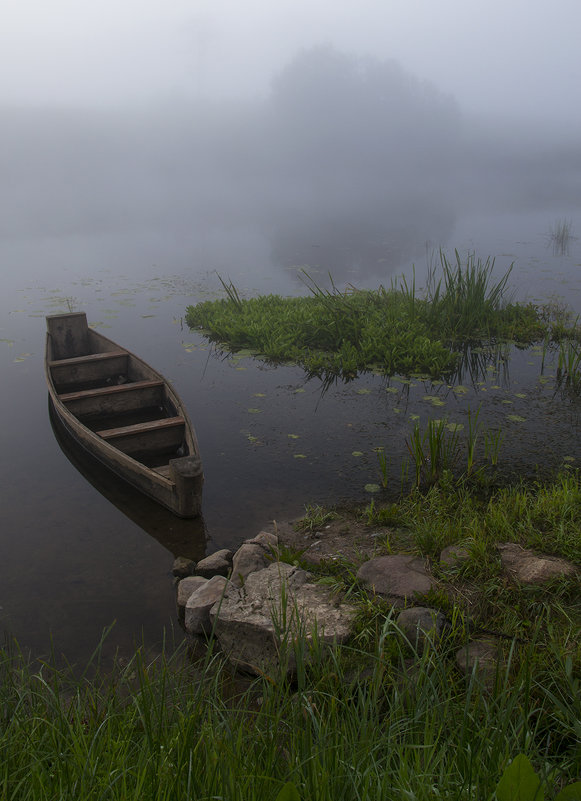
(372, 488)
(454, 426)
(254, 411)
(515, 418)
(357, 453)
(434, 400)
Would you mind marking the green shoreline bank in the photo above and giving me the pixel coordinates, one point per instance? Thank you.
(358, 722)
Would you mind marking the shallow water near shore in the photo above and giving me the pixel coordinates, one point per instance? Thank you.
(77, 555)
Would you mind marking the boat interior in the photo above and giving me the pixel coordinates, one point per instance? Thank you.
(114, 394)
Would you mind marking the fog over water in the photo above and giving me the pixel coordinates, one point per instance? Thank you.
(145, 146)
(343, 138)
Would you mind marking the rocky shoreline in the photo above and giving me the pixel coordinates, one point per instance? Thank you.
(267, 613)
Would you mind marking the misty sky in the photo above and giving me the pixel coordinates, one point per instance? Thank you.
(519, 58)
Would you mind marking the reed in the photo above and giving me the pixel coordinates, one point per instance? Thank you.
(433, 451)
(472, 439)
(569, 365)
(383, 461)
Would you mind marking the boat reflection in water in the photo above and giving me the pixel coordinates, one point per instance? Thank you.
(180, 536)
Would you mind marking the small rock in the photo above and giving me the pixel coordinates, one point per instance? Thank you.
(454, 556)
(183, 567)
(528, 567)
(217, 564)
(482, 655)
(197, 611)
(267, 539)
(186, 587)
(421, 624)
(398, 578)
(250, 557)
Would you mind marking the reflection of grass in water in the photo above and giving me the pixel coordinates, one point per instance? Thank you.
(560, 236)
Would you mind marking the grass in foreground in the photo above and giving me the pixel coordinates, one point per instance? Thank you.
(359, 722)
(387, 733)
(395, 330)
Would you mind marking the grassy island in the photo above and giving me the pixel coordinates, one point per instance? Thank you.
(333, 333)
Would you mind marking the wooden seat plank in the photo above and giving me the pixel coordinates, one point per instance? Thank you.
(143, 428)
(90, 357)
(147, 439)
(115, 389)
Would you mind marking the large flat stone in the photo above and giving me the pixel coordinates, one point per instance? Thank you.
(399, 578)
(276, 618)
(528, 567)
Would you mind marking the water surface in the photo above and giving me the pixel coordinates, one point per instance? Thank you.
(77, 556)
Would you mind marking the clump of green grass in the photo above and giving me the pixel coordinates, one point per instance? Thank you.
(545, 515)
(394, 330)
(315, 517)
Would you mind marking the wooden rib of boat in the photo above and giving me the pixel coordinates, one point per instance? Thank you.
(124, 413)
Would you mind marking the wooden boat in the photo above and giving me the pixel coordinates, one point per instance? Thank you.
(124, 413)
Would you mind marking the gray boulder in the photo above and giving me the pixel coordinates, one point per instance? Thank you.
(421, 624)
(276, 618)
(527, 567)
(183, 566)
(253, 555)
(217, 564)
(398, 578)
(197, 611)
(454, 556)
(482, 656)
(186, 587)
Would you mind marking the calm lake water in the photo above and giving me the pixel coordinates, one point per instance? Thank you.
(77, 558)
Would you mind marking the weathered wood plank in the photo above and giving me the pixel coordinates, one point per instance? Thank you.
(114, 399)
(69, 334)
(97, 367)
(153, 437)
